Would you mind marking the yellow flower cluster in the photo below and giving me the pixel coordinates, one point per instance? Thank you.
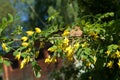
(110, 64)
(94, 35)
(25, 44)
(84, 44)
(66, 41)
(18, 56)
(65, 33)
(69, 51)
(50, 60)
(30, 33)
(37, 54)
(52, 49)
(88, 64)
(24, 38)
(37, 30)
(4, 47)
(24, 62)
(115, 54)
(108, 53)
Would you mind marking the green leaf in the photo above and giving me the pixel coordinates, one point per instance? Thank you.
(36, 69)
(4, 20)
(87, 51)
(10, 18)
(37, 74)
(6, 62)
(112, 47)
(19, 49)
(1, 59)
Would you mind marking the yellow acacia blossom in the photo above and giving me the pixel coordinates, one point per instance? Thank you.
(94, 35)
(70, 58)
(52, 49)
(23, 63)
(95, 59)
(25, 44)
(108, 53)
(65, 33)
(28, 50)
(84, 44)
(69, 49)
(76, 45)
(53, 59)
(18, 56)
(27, 59)
(29, 33)
(4, 47)
(117, 54)
(50, 59)
(24, 38)
(37, 54)
(119, 63)
(110, 64)
(37, 30)
(69, 53)
(88, 64)
(66, 41)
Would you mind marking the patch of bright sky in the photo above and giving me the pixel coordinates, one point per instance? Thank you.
(21, 9)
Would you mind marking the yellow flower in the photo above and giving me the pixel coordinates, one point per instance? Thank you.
(37, 30)
(70, 58)
(88, 64)
(18, 56)
(48, 60)
(76, 45)
(65, 33)
(24, 38)
(117, 54)
(52, 49)
(84, 44)
(24, 61)
(108, 53)
(94, 58)
(66, 41)
(94, 35)
(27, 59)
(28, 50)
(25, 44)
(4, 47)
(37, 54)
(118, 63)
(53, 59)
(69, 53)
(110, 64)
(68, 48)
(29, 33)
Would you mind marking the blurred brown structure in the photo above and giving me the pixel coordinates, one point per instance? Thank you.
(14, 73)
